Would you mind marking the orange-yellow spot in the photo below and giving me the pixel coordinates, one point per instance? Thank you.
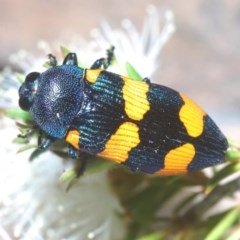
(135, 97)
(92, 75)
(192, 117)
(73, 137)
(178, 159)
(121, 142)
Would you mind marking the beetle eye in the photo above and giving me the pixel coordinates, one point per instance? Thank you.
(31, 77)
(24, 104)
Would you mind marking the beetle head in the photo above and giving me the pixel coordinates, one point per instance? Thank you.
(28, 90)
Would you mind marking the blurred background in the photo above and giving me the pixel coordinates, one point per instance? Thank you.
(201, 59)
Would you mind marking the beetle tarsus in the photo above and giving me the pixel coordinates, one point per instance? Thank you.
(81, 163)
(104, 62)
(70, 59)
(52, 60)
(146, 80)
(98, 63)
(44, 141)
(110, 56)
(72, 152)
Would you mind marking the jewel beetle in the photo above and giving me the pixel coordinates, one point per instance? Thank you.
(148, 127)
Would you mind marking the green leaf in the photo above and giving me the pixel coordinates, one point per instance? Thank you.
(65, 51)
(20, 77)
(143, 208)
(27, 147)
(20, 140)
(132, 72)
(232, 154)
(197, 211)
(221, 174)
(184, 202)
(224, 224)
(233, 144)
(68, 175)
(18, 114)
(154, 236)
(235, 235)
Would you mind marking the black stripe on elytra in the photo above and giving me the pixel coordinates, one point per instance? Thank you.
(160, 130)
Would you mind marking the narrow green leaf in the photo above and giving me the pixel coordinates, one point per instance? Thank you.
(27, 147)
(132, 72)
(20, 140)
(221, 174)
(233, 144)
(212, 198)
(235, 235)
(68, 175)
(226, 222)
(154, 236)
(184, 202)
(232, 154)
(18, 114)
(64, 51)
(143, 208)
(23, 126)
(20, 77)
(70, 178)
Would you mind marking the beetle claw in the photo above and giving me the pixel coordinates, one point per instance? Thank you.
(70, 59)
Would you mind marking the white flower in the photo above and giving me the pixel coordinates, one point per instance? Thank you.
(140, 49)
(33, 205)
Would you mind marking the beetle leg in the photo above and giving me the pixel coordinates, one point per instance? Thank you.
(44, 141)
(81, 160)
(146, 80)
(81, 165)
(98, 63)
(110, 56)
(72, 152)
(70, 59)
(52, 60)
(29, 132)
(104, 62)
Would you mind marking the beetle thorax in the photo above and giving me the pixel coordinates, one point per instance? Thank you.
(58, 99)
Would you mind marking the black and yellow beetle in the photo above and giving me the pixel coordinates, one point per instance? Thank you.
(145, 126)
